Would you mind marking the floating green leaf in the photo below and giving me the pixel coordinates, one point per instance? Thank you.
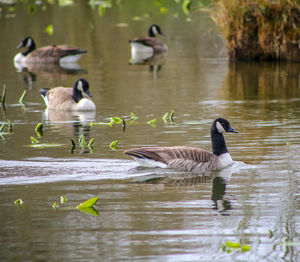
(186, 6)
(55, 205)
(19, 202)
(163, 10)
(34, 140)
(133, 116)
(171, 115)
(49, 29)
(81, 141)
(165, 117)
(233, 244)
(91, 143)
(63, 199)
(113, 145)
(21, 99)
(39, 129)
(32, 9)
(152, 122)
(89, 203)
(245, 248)
(44, 145)
(65, 2)
(115, 120)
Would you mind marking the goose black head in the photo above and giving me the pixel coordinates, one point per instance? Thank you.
(27, 42)
(81, 85)
(221, 125)
(154, 30)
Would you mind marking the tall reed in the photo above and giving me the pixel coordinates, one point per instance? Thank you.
(259, 29)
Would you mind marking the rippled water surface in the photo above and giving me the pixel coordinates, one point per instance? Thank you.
(146, 214)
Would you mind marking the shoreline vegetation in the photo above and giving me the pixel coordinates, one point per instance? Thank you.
(260, 29)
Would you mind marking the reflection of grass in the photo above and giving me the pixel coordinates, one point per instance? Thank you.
(261, 29)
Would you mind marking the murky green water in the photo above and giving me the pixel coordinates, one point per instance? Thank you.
(147, 214)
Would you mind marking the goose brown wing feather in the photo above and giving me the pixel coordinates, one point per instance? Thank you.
(168, 154)
(55, 52)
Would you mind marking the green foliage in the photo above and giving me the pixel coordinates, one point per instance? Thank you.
(32, 9)
(133, 116)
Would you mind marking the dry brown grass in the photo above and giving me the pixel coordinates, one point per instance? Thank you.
(260, 29)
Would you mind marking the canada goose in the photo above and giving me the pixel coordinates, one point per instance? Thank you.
(69, 99)
(149, 45)
(185, 158)
(47, 54)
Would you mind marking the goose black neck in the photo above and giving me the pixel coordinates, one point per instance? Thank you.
(77, 95)
(150, 32)
(218, 143)
(30, 48)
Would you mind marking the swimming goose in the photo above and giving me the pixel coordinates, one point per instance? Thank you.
(47, 54)
(185, 158)
(69, 99)
(149, 45)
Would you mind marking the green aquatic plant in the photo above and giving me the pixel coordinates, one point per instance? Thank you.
(21, 99)
(152, 122)
(88, 203)
(39, 129)
(133, 116)
(168, 116)
(19, 202)
(31, 9)
(55, 205)
(49, 29)
(229, 246)
(186, 6)
(3, 97)
(81, 141)
(114, 145)
(63, 199)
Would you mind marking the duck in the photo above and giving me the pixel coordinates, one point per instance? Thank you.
(47, 54)
(77, 98)
(187, 158)
(149, 45)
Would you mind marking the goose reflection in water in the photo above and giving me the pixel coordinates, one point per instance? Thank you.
(69, 122)
(30, 71)
(219, 180)
(155, 62)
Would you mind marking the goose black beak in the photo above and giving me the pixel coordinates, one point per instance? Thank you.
(20, 45)
(232, 130)
(88, 93)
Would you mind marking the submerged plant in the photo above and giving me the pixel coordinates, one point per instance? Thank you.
(39, 129)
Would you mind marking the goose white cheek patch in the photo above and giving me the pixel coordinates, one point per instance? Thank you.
(79, 86)
(220, 128)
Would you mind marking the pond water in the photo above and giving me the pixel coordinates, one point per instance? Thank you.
(146, 214)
